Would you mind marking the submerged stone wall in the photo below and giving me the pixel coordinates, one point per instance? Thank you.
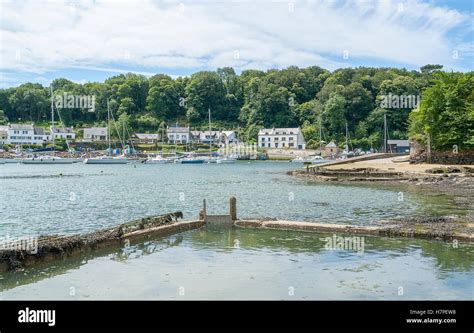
(57, 247)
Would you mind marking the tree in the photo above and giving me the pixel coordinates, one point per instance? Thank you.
(192, 115)
(126, 106)
(334, 109)
(30, 102)
(429, 69)
(309, 112)
(3, 118)
(446, 112)
(358, 102)
(404, 90)
(163, 99)
(205, 90)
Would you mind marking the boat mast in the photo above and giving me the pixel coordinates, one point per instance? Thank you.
(210, 135)
(52, 119)
(162, 135)
(385, 133)
(108, 127)
(320, 133)
(347, 135)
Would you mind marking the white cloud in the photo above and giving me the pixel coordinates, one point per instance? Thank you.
(41, 36)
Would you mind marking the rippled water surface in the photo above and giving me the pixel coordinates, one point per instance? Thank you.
(231, 263)
(65, 199)
(239, 263)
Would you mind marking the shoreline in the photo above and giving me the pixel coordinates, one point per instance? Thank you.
(454, 180)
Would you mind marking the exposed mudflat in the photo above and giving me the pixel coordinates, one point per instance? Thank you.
(450, 180)
(433, 180)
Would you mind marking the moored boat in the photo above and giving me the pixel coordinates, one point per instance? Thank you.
(313, 160)
(13, 160)
(106, 160)
(158, 159)
(226, 160)
(190, 160)
(47, 159)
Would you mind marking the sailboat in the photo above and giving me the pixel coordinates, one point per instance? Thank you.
(48, 159)
(220, 159)
(158, 159)
(191, 158)
(346, 153)
(107, 159)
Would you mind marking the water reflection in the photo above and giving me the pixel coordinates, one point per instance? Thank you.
(254, 250)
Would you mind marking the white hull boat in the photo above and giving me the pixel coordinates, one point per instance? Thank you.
(106, 160)
(47, 160)
(312, 160)
(226, 160)
(12, 160)
(158, 160)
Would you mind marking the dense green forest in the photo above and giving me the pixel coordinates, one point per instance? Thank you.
(275, 98)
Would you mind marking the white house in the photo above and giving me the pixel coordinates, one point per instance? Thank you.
(24, 134)
(281, 138)
(209, 137)
(42, 136)
(228, 137)
(19, 134)
(63, 133)
(178, 134)
(146, 137)
(216, 137)
(195, 136)
(94, 134)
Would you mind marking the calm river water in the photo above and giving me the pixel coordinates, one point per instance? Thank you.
(231, 263)
(45, 199)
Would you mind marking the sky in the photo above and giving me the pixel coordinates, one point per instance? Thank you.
(89, 41)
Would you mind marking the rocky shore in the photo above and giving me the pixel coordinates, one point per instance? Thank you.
(455, 181)
(451, 180)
